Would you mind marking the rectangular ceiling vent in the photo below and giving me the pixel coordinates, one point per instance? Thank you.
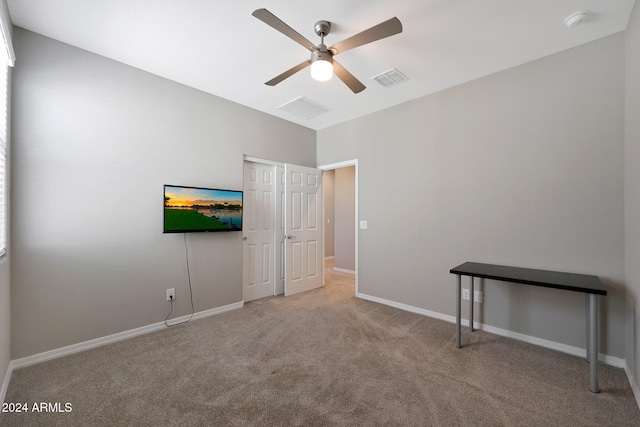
(304, 108)
(390, 78)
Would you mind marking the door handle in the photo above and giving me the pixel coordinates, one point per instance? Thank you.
(289, 236)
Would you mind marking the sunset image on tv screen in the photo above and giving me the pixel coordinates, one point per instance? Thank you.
(201, 209)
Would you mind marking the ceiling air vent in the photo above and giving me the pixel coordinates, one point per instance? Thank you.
(303, 108)
(390, 78)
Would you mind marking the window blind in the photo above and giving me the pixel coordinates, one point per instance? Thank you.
(7, 59)
(4, 72)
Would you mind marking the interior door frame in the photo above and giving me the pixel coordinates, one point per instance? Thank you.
(340, 165)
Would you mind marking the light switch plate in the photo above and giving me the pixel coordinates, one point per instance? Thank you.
(363, 225)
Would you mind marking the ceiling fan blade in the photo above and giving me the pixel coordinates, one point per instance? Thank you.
(270, 19)
(274, 81)
(377, 32)
(347, 78)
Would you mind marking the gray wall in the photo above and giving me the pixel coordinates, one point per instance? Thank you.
(93, 143)
(328, 188)
(632, 195)
(523, 167)
(345, 213)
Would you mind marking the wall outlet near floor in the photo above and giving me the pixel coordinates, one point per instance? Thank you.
(477, 296)
(465, 294)
(171, 294)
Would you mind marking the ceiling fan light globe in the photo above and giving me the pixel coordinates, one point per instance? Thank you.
(321, 70)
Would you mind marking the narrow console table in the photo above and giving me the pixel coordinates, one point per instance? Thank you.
(591, 286)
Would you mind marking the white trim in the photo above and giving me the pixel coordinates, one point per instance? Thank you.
(411, 308)
(339, 165)
(263, 161)
(632, 383)
(86, 345)
(564, 348)
(344, 270)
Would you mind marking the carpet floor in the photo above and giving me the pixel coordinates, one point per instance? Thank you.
(320, 358)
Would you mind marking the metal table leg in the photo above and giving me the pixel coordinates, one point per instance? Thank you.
(587, 317)
(593, 343)
(458, 311)
(471, 304)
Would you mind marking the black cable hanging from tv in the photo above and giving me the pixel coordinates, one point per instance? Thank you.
(186, 254)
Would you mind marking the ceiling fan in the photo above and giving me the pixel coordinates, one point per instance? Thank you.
(323, 66)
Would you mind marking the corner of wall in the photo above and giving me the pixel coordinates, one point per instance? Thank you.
(5, 382)
(632, 201)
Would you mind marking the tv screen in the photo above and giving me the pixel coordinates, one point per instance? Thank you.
(194, 209)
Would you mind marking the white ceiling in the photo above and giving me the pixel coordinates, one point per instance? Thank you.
(217, 46)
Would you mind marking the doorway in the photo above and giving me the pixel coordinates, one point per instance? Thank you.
(341, 217)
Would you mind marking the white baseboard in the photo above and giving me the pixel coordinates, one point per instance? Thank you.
(634, 386)
(410, 308)
(344, 270)
(576, 351)
(86, 345)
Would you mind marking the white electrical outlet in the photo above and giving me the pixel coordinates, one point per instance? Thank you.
(477, 296)
(465, 294)
(171, 294)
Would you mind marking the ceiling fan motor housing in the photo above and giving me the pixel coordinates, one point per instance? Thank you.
(322, 54)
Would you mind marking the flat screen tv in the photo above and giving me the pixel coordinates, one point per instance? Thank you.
(195, 209)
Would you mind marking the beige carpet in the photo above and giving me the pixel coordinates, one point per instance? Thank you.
(316, 359)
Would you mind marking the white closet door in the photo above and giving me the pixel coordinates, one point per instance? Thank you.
(303, 229)
(259, 256)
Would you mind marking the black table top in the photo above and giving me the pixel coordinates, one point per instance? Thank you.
(549, 279)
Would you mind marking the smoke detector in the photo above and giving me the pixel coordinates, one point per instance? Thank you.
(576, 18)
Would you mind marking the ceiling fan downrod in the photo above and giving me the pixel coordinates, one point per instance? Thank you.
(322, 28)
(322, 58)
